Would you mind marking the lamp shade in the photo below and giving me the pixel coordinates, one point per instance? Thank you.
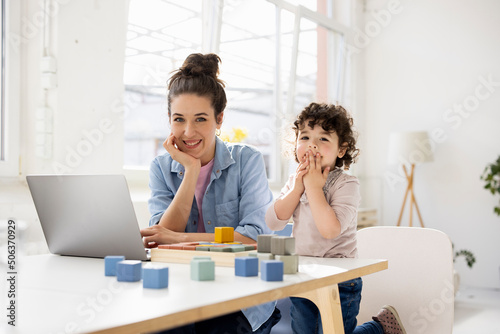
(410, 148)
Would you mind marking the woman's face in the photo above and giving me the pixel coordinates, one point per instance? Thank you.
(193, 124)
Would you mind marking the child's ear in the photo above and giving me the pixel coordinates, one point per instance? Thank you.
(342, 150)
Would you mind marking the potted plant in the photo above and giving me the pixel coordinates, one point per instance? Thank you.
(491, 175)
(470, 259)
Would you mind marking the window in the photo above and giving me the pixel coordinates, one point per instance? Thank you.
(248, 52)
(160, 36)
(277, 57)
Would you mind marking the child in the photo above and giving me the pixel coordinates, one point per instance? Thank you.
(323, 201)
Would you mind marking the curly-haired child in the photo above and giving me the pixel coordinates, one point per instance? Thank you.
(323, 201)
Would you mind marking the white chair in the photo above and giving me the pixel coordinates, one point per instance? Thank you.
(419, 281)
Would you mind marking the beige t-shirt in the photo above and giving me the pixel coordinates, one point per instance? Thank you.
(342, 193)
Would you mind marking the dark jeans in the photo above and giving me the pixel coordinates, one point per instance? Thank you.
(233, 323)
(306, 318)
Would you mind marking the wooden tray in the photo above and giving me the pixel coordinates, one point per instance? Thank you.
(223, 259)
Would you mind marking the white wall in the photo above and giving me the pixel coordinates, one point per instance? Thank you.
(87, 39)
(428, 61)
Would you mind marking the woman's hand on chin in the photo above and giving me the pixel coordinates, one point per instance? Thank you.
(188, 161)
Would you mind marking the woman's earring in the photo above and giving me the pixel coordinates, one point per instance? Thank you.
(217, 132)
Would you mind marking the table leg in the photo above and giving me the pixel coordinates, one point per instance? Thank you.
(328, 302)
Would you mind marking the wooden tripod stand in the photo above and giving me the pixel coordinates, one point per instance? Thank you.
(413, 201)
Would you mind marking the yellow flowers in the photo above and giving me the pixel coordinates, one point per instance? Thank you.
(236, 135)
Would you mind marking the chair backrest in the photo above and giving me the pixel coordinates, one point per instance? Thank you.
(419, 281)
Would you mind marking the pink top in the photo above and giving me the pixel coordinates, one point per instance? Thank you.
(199, 192)
(342, 193)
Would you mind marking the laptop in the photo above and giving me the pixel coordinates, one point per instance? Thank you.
(87, 215)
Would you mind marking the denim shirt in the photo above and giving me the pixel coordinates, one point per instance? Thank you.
(237, 195)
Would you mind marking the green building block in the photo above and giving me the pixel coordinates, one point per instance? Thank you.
(221, 249)
(237, 248)
(283, 245)
(290, 263)
(202, 270)
(264, 243)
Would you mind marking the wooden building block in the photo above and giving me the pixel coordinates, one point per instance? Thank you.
(129, 271)
(290, 263)
(271, 270)
(179, 245)
(224, 234)
(262, 256)
(246, 266)
(264, 243)
(202, 270)
(221, 249)
(110, 264)
(237, 248)
(154, 277)
(250, 247)
(283, 245)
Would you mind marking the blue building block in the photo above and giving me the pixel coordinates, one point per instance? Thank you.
(129, 271)
(271, 270)
(202, 270)
(110, 264)
(155, 277)
(246, 266)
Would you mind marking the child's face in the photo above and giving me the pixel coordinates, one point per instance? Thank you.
(318, 140)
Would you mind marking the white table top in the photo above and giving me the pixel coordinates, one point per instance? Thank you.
(58, 294)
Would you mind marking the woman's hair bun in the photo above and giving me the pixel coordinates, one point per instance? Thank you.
(199, 64)
(199, 75)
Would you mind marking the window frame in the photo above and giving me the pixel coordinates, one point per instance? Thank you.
(330, 24)
(11, 40)
(2, 80)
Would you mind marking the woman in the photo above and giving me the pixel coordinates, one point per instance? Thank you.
(203, 182)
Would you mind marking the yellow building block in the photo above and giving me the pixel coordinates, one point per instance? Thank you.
(224, 234)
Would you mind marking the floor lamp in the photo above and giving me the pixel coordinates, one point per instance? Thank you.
(410, 149)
